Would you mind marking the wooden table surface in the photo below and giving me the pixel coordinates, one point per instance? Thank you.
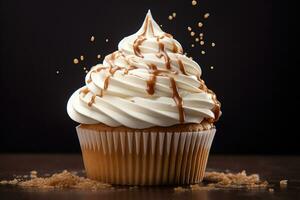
(271, 168)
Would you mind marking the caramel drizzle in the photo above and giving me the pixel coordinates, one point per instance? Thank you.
(217, 108)
(101, 93)
(85, 90)
(168, 35)
(162, 53)
(131, 67)
(141, 38)
(154, 72)
(153, 69)
(181, 67)
(202, 84)
(159, 38)
(97, 70)
(92, 100)
(175, 48)
(112, 70)
(178, 100)
(106, 82)
(136, 46)
(152, 80)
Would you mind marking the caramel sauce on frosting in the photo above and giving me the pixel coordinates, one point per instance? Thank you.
(154, 58)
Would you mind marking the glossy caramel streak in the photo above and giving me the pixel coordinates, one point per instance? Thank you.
(106, 82)
(181, 67)
(92, 101)
(178, 100)
(162, 53)
(136, 46)
(152, 81)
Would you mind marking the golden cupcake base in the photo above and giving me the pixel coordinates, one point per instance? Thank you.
(145, 157)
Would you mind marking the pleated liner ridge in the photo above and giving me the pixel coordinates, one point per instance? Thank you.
(145, 158)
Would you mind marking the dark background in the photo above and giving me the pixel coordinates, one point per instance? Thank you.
(40, 37)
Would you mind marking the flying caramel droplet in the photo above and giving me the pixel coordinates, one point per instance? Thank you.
(75, 61)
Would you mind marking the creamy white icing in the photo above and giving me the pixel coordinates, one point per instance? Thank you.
(147, 82)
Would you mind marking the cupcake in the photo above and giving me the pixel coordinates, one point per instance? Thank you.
(146, 117)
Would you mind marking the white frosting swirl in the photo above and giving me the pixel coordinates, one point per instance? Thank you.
(147, 82)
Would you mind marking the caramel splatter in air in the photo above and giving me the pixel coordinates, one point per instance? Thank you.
(201, 42)
(194, 2)
(189, 28)
(201, 36)
(202, 52)
(213, 44)
(98, 56)
(206, 15)
(211, 67)
(200, 24)
(192, 33)
(75, 61)
(170, 17)
(92, 38)
(174, 14)
(106, 40)
(81, 57)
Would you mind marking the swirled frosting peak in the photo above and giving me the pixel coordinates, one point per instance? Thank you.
(147, 82)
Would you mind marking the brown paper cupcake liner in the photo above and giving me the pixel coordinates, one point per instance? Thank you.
(145, 158)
